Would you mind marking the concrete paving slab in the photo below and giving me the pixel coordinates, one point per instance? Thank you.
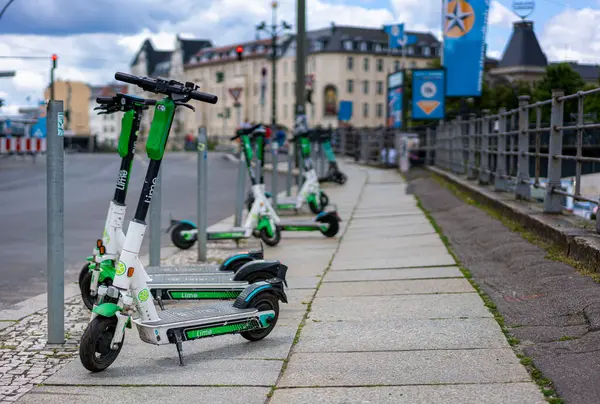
(500, 393)
(400, 335)
(404, 368)
(303, 282)
(362, 308)
(393, 213)
(149, 395)
(389, 261)
(395, 287)
(392, 243)
(391, 274)
(386, 222)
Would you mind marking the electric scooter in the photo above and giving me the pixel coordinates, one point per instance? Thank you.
(223, 281)
(310, 191)
(333, 172)
(258, 223)
(253, 314)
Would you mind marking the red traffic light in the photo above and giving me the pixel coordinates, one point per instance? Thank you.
(239, 49)
(54, 57)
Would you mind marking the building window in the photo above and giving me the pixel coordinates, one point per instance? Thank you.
(285, 112)
(350, 86)
(350, 63)
(380, 87)
(426, 51)
(366, 87)
(285, 66)
(285, 89)
(410, 50)
(366, 64)
(365, 110)
(379, 65)
(348, 45)
(396, 65)
(378, 47)
(363, 46)
(379, 110)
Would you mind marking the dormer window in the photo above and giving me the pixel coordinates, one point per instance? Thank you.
(410, 50)
(377, 47)
(363, 46)
(348, 45)
(232, 53)
(318, 46)
(260, 48)
(426, 51)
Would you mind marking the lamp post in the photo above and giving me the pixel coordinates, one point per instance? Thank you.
(273, 30)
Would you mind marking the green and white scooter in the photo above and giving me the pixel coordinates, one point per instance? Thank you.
(310, 192)
(258, 223)
(253, 314)
(333, 174)
(327, 222)
(223, 281)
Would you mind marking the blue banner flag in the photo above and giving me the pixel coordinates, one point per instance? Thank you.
(345, 111)
(464, 26)
(395, 90)
(428, 94)
(395, 34)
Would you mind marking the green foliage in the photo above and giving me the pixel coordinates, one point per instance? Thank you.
(560, 76)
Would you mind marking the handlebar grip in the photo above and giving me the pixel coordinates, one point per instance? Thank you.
(104, 100)
(127, 78)
(149, 101)
(204, 97)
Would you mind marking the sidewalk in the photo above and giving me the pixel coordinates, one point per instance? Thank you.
(378, 314)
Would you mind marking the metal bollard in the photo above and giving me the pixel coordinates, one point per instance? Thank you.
(553, 201)
(155, 208)
(275, 173)
(240, 191)
(523, 188)
(202, 196)
(55, 172)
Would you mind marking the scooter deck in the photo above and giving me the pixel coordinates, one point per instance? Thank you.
(186, 281)
(202, 269)
(182, 316)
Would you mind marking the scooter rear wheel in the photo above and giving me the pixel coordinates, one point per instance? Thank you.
(333, 228)
(177, 239)
(270, 241)
(263, 302)
(324, 200)
(94, 351)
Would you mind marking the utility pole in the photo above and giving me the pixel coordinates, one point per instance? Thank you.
(273, 30)
(54, 57)
(301, 57)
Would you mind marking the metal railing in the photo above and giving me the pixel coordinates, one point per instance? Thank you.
(373, 146)
(500, 149)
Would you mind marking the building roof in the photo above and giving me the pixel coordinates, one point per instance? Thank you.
(588, 73)
(108, 90)
(523, 48)
(153, 57)
(368, 40)
(190, 47)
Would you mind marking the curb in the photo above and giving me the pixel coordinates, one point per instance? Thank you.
(563, 230)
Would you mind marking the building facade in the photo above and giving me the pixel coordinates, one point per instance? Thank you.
(75, 96)
(343, 64)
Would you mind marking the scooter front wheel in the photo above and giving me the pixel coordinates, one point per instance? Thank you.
(324, 199)
(85, 270)
(178, 239)
(88, 299)
(270, 241)
(263, 302)
(95, 352)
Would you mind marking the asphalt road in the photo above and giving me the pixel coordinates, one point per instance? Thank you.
(89, 186)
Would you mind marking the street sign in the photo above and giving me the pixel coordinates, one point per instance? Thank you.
(235, 93)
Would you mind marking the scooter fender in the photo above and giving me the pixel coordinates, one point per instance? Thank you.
(321, 217)
(273, 286)
(109, 310)
(274, 268)
(175, 222)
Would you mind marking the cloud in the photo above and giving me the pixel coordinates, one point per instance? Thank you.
(560, 41)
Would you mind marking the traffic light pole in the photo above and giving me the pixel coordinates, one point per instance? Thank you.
(300, 57)
(274, 68)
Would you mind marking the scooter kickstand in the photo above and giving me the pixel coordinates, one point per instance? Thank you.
(160, 303)
(178, 344)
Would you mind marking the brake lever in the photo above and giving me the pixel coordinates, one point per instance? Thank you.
(183, 104)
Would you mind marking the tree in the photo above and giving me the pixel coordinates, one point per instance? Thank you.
(560, 76)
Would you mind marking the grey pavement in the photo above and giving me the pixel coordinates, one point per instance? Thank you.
(397, 324)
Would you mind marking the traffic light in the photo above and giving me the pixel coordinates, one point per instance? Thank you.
(239, 50)
(54, 58)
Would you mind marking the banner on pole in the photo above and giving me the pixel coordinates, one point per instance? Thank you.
(428, 95)
(395, 98)
(345, 111)
(464, 27)
(395, 35)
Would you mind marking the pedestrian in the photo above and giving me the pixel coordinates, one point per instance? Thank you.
(280, 137)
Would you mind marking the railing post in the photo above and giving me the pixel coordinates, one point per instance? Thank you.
(471, 170)
(342, 140)
(523, 188)
(202, 196)
(484, 155)
(553, 201)
(364, 146)
(500, 183)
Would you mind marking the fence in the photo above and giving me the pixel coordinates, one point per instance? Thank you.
(513, 150)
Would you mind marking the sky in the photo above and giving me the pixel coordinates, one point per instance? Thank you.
(96, 38)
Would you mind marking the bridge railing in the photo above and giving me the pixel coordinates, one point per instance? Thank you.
(535, 151)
